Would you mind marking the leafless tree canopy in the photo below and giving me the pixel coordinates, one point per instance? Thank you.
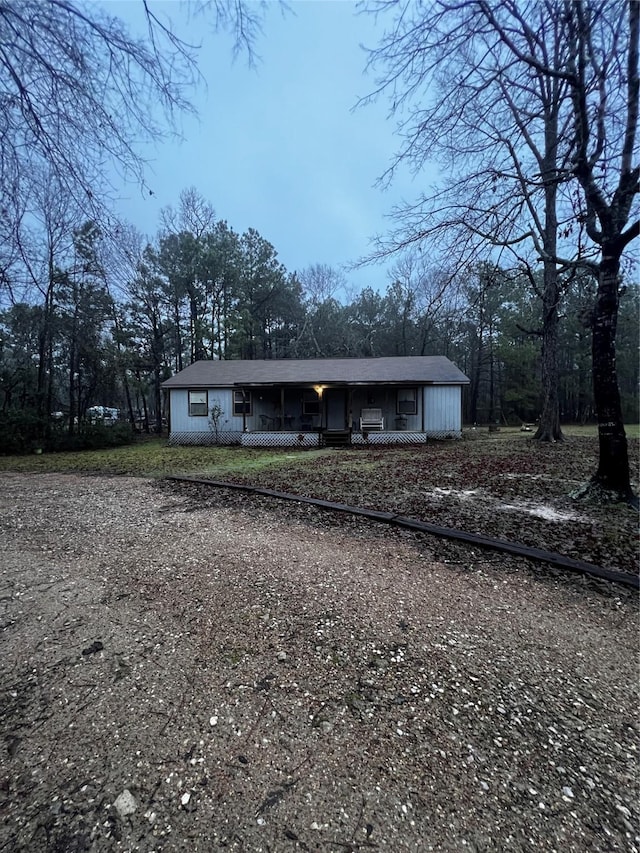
(472, 87)
(77, 91)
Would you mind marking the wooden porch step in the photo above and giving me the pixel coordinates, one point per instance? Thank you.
(336, 437)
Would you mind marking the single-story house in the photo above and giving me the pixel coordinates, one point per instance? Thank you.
(311, 402)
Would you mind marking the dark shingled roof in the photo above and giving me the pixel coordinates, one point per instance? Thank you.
(414, 370)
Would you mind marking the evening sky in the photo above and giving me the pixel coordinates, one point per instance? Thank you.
(281, 147)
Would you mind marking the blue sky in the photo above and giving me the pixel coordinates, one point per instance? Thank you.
(280, 148)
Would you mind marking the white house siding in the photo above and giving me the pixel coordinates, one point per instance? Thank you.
(189, 430)
(385, 399)
(442, 410)
(182, 421)
(441, 405)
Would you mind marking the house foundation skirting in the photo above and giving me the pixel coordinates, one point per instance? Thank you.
(364, 439)
(204, 439)
(315, 439)
(297, 439)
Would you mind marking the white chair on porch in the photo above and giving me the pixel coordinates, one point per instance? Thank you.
(371, 419)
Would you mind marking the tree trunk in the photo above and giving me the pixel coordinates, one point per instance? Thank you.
(197, 344)
(146, 414)
(549, 427)
(157, 353)
(176, 320)
(125, 380)
(613, 464)
(72, 391)
(475, 388)
(127, 392)
(45, 350)
(492, 377)
(157, 399)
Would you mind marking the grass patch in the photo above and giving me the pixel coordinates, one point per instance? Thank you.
(489, 482)
(632, 430)
(575, 430)
(154, 458)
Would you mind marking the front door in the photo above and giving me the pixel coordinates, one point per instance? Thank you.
(336, 401)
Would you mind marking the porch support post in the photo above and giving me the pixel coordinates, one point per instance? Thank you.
(282, 407)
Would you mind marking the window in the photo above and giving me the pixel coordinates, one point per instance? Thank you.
(310, 403)
(198, 404)
(241, 403)
(407, 401)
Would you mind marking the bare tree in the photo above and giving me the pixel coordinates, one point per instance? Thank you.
(43, 245)
(602, 82)
(79, 92)
(243, 20)
(498, 131)
(603, 73)
(506, 113)
(194, 215)
(321, 282)
(424, 295)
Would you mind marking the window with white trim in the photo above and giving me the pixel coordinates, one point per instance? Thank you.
(241, 403)
(198, 404)
(407, 401)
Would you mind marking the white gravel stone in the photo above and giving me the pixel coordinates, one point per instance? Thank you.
(125, 803)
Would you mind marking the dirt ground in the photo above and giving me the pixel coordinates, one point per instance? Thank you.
(506, 486)
(191, 672)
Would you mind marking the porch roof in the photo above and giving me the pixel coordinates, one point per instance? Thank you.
(409, 370)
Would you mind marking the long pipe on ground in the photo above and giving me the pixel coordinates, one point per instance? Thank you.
(519, 550)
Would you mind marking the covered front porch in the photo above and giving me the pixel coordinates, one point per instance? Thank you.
(330, 410)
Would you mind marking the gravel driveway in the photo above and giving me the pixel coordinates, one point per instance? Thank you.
(180, 674)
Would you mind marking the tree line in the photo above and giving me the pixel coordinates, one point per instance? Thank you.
(105, 323)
